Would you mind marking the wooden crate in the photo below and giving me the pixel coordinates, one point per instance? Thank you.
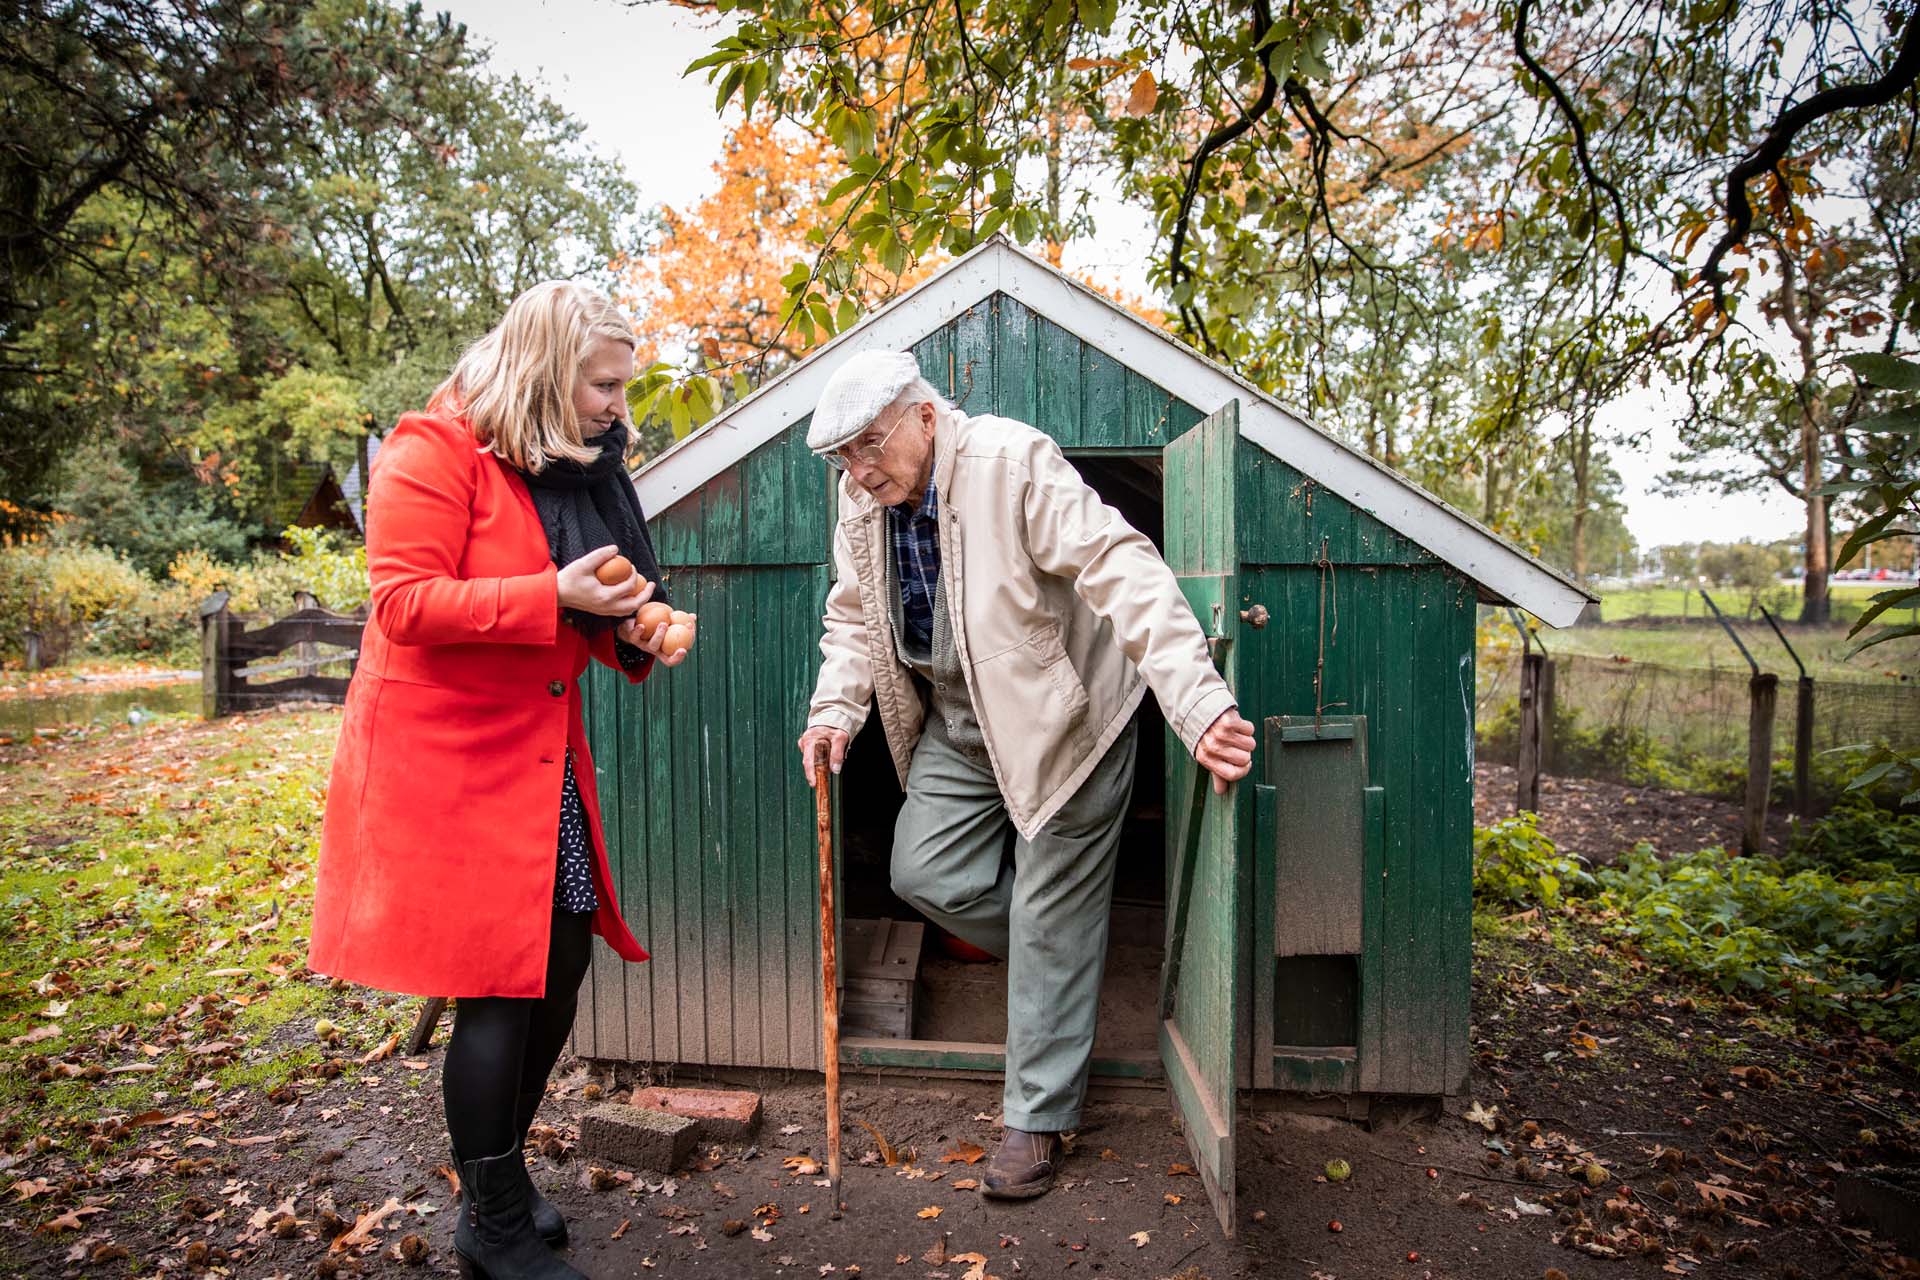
(880, 978)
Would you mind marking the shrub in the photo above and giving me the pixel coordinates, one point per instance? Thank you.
(1820, 943)
(1515, 866)
(1858, 841)
(87, 600)
(327, 564)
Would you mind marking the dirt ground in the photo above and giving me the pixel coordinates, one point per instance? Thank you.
(1618, 1122)
(1637, 1129)
(1601, 820)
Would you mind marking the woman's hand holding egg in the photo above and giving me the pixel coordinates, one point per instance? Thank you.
(665, 632)
(603, 581)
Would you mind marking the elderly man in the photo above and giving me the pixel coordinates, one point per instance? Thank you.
(1006, 622)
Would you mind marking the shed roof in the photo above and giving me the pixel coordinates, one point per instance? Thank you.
(1504, 573)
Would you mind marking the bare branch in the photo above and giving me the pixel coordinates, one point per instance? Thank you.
(1899, 78)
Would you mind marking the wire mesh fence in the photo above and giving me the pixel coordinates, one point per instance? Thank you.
(1686, 727)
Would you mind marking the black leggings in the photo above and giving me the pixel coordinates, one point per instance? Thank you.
(503, 1047)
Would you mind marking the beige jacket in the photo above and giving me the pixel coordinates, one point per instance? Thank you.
(1058, 606)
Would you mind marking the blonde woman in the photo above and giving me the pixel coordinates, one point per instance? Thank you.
(462, 853)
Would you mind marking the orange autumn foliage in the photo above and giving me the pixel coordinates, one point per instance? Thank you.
(712, 285)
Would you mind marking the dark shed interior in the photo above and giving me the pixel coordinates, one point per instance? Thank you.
(963, 999)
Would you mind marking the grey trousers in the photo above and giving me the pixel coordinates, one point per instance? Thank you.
(1046, 913)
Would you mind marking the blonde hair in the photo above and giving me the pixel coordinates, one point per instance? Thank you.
(515, 385)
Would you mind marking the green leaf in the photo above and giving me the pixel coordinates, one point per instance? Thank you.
(1878, 370)
(1870, 530)
(845, 187)
(1890, 633)
(1904, 420)
(1880, 602)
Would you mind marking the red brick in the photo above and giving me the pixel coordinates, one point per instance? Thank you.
(720, 1115)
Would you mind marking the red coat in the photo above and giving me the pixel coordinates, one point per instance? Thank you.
(438, 855)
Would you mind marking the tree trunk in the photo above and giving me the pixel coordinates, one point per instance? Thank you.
(1814, 610)
(1582, 449)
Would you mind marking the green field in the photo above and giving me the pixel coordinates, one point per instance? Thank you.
(1783, 599)
(1705, 644)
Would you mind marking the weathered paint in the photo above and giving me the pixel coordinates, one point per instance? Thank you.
(709, 822)
(1203, 982)
(710, 828)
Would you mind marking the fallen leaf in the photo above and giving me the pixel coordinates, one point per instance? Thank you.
(762, 1236)
(1178, 1170)
(1486, 1117)
(384, 1049)
(1530, 1208)
(71, 1220)
(931, 1211)
(964, 1153)
(1139, 1239)
(965, 1184)
(1713, 1192)
(28, 1188)
(788, 1130)
(806, 1166)
(976, 1265)
(936, 1254)
(1171, 1198)
(364, 1227)
(888, 1155)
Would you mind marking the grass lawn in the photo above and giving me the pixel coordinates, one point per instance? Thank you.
(1705, 644)
(1847, 600)
(156, 885)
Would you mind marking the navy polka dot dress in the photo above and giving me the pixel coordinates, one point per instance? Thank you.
(573, 885)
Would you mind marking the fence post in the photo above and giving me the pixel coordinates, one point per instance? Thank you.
(215, 700)
(1543, 694)
(1764, 689)
(34, 657)
(1803, 750)
(1802, 727)
(1528, 797)
(306, 652)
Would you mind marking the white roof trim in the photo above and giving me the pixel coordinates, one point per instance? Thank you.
(1495, 564)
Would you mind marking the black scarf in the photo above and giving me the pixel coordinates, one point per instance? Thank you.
(586, 505)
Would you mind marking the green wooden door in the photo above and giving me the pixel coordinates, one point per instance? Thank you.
(1203, 979)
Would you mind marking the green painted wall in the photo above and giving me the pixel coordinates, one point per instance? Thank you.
(711, 828)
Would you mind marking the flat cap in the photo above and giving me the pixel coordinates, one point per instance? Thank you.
(856, 393)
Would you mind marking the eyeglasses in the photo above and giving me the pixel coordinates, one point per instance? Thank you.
(867, 454)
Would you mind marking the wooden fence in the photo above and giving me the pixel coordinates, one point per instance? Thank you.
(230, 655)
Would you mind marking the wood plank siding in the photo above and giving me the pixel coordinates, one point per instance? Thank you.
(710, 828)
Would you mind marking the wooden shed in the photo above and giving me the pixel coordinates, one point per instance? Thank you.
(1308, 933)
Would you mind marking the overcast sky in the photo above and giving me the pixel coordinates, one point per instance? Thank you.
(617, 69)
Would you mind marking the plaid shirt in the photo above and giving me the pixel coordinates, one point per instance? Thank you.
(916, 556)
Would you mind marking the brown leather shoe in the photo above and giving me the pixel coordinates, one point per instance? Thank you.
(1023, 1167)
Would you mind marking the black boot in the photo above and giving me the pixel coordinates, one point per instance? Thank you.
(546, 1219)
(494, 1238)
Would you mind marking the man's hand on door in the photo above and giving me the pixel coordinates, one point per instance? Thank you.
(1226, 750)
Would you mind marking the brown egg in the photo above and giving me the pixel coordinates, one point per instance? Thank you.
(615, 571)
(682, 617)
(653, 615)
(678, 637)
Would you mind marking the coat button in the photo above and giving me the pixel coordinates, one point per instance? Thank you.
(557, 688)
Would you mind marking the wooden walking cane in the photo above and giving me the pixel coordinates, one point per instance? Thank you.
(829, 985)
